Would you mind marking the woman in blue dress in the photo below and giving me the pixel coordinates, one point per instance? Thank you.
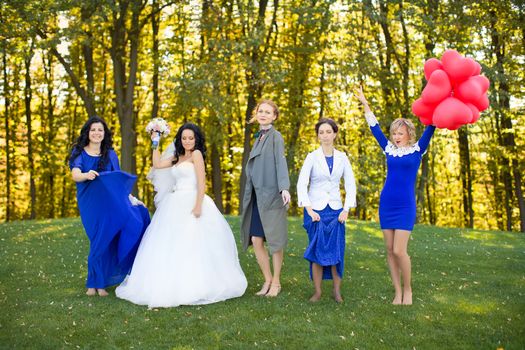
(324, 213)
(114, 220)
(397, 203)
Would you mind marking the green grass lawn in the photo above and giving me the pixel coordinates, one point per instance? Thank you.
(469, 293)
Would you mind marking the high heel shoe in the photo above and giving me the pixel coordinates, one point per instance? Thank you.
(265, 288)
(274, 290)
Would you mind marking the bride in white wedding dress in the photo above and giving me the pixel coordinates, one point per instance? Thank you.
(188, 254)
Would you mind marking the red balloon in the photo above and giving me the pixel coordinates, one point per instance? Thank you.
(423, 111)
(475, 113)
(456, 93)
(483, 103)
(451, 113)
(437, 89)
(469, 91)
(478, 69)
(430, 66)
(483, 82)
(457, 67)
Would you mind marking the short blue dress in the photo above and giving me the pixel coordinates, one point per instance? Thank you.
(397, 203)
(114, 226)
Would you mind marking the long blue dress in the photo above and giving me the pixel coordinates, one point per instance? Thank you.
(114, 226)
(397, 203)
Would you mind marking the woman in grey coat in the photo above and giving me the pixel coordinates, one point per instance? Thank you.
(266, 198)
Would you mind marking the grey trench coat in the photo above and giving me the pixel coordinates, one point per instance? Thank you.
(267, 175)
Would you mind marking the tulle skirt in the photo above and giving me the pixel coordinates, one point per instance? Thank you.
(183, 260)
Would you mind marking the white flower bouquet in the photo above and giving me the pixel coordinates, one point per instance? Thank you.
(159, 126)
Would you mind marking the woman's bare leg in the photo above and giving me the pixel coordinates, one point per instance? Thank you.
(317, 276)
(388, 236)
(277, 259)
(264, 263)
(337, 285)
(401, 238)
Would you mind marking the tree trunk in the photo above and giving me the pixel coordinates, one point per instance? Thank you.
(229, 183)
(71, 129)
(429, 10)
(253, 96)
(519, 191)
(7, 136)
(216, 176)
(254, 88)
(87, 51)
(28, 94)
(507, 139)
(386, 65)
(296, 109)
(124, 84)
(405, 64)
(322, 81)
(215, 139)
(466, 177)
(155, 51)
(49, 172)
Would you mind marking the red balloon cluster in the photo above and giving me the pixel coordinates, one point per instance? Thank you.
(455, 92)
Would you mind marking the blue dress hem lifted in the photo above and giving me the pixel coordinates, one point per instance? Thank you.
(326, 241)
(113, 225)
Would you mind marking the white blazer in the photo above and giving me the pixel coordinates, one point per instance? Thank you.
(324, 187)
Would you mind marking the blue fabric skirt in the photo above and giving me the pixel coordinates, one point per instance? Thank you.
(326, 241)
(256, 227)
(114, 227)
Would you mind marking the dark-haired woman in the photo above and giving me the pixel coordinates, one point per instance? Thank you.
(188, 255)
(113, 219)
(324, 212)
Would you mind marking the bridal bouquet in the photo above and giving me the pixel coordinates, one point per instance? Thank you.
(159, 126)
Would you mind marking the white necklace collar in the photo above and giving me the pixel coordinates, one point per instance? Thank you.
(395, 151)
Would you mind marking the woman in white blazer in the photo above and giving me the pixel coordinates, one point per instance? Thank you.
(324, 212)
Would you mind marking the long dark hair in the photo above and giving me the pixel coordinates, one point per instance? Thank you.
(199, 141)
(83, 140)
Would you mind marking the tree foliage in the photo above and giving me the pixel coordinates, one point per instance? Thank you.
(210, 61)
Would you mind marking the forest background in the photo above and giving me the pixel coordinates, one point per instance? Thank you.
(211, 61)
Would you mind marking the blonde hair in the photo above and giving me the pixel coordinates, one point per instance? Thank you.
(400, 122)
(268, 102)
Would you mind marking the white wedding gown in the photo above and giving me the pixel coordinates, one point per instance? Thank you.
(183, 260)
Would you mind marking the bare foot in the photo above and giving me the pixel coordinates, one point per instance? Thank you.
(315, 298)
(102, 292)
(274, 291)
(265, 288)
(407, 298)
(397, 300)
(338, 298)
(91, 292)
